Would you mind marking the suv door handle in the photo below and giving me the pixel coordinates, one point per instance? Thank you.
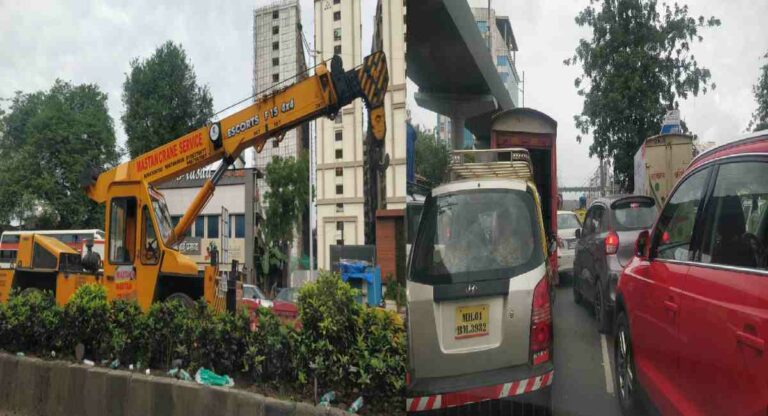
(750, 340)
(670, 306)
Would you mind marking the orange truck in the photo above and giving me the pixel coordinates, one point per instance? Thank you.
(141, 261)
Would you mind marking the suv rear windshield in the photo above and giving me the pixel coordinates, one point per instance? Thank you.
(477, 235)
(633, 215)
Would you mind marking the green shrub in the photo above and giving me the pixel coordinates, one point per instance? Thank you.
(380, 356)
(329, 318)
(220, 340)
(86, 320)
(128, 332)
(170, 332)
(395, 291)
(270, 355)
(344, 346)
(33, 321)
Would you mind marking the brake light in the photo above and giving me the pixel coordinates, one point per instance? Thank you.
(611, 243)
(541, 324)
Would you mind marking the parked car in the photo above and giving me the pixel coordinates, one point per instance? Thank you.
(692, 305)
(285, 303)
(604, 246)
(479, 311)
(254, 298)
(567, 224)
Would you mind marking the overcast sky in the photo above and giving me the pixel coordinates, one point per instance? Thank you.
(94, 41)
(546, 34)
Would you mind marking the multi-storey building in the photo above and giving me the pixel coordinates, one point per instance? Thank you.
(389, 36)
(339, 146)
(278, 60)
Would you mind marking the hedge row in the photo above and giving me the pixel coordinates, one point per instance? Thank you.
(341, 345)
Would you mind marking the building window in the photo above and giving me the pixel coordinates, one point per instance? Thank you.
(275, 30)
(339, 154)
(339, 207)
(239, 225)
(275, 77)
(336, 1)
(339, 171)
(199, 226)
(213, 226)
(275, 14)
(502, 60)
(340, 226)
(339, 135)
(339, 189)
(275, 61)
(337, 49)
(275, 46)
(340, 242)
(336, 16)
(482, 25)
(275, 143)
(337, 33)
(338, 118)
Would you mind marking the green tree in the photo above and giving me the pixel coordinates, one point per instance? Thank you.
(432, 157)
(760, 90)
(162, 99)
(48, 139)
(637, 65)
(286, 199)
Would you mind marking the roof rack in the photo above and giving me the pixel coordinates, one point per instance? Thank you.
(510, 163)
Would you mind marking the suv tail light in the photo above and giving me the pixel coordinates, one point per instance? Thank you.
(611, 243)
(541, 324)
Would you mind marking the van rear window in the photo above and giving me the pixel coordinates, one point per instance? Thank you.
(477, 235)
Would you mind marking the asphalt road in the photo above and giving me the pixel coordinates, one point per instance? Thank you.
(581, 385)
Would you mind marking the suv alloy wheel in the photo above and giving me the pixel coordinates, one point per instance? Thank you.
(625, 374)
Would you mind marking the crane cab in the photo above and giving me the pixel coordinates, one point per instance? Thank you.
(138, 264)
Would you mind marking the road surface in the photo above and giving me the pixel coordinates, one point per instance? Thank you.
(582, 386)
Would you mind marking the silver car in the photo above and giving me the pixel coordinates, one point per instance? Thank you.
(479, 311)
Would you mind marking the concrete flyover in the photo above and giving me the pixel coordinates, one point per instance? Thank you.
(32, 387)
(449, 61)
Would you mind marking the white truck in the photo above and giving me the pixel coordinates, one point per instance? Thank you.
(660, 162)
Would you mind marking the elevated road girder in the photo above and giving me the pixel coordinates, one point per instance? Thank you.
(450, 62)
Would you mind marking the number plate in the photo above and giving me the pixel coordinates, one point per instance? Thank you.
(471, 321)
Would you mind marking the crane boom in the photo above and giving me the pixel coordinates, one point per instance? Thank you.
(322, 94)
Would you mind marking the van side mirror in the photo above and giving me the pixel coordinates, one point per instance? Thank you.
(641, 244)
(578, 233)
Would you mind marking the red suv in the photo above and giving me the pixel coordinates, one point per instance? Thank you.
(692, 305)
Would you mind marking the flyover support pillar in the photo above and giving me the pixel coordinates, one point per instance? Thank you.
(459, 107)
(457, 132)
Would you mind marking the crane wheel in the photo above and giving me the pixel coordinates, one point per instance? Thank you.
(182, 298)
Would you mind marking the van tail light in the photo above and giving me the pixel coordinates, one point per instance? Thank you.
(611, 243)
(541, 324)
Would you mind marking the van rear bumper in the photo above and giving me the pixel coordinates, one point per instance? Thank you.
(520, 382)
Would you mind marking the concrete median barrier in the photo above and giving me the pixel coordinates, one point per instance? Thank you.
(31, 387)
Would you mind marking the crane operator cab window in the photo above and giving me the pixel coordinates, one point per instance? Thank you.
(150, 251)
(163, 218)
(122, 230)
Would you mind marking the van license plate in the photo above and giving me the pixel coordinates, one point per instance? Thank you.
(471, 321)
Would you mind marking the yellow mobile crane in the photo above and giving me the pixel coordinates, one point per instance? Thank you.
(140, 259)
